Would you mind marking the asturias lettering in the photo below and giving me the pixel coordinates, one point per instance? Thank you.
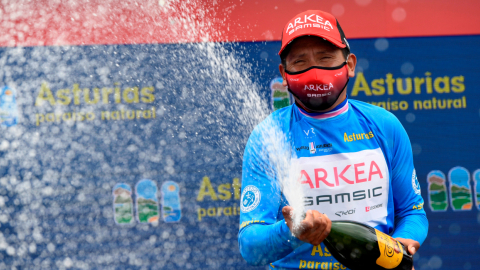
(357, 136)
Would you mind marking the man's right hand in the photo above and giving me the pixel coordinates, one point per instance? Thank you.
(313, 229)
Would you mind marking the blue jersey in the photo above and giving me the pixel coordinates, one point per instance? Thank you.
(353, 163)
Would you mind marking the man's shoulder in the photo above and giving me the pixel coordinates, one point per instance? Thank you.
(373, 113)
(276, 119)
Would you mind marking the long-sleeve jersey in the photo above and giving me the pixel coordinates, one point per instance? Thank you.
(353, 163)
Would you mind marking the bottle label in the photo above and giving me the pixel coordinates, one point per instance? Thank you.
(391, 252)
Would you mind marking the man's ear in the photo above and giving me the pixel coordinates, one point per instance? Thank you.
(351, 64)
(282, 72)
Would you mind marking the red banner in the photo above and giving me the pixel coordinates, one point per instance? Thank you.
(49, 22)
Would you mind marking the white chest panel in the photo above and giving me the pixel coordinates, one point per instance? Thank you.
(347, 186)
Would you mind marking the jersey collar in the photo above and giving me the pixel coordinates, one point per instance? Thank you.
(338, 110)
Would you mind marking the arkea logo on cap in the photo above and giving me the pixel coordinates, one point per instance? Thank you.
(314, 23)
(312, 20)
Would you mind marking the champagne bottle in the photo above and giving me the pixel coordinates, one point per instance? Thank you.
(358, 246)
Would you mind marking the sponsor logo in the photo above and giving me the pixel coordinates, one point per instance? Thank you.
(344, 197)
(308, 21)
(308, 131)
(171, 208)
(357, 136)
(320, 175)
(340, 182)
(318, 87)
(415, 184)
(460, 195)
(313, 149)
(250, 199)
(345, 213)
(279, 94)
(319, 95)
(370, 208)
(8, 107)
(418, 207)
(246, 223)
(147, 201)
(318, 146)
(460, 189)
(122, 204)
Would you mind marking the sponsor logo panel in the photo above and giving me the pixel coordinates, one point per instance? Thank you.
(8, 107)
(341, 182)
(415, 184)
(456, 193)
(147, 201)
(460, 189)
(280, 97)
(171, 209)
(122, 204)
(250, 198)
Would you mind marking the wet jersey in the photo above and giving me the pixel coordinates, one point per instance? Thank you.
(353, 163)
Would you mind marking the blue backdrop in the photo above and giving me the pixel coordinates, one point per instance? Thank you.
(82, 126)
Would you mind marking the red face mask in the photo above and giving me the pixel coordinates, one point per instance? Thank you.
(318, 88)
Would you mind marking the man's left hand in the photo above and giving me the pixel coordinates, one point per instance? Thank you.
(411, 245)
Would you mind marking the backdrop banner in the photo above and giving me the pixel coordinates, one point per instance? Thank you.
(129, 156)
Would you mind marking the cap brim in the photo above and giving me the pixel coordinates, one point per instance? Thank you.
(332, 40)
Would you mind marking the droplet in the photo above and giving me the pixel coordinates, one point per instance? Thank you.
(10, 250)
(410, 117)
(363, 2)
(268, 35)
(264, 55)
(363, 64)
(399, 14)
(67, 262)
(416, 149)
(416, 256)
(454, 228)
(407, 68)
(338, 10)
(435, 262)
(381, 44)
(435, 242)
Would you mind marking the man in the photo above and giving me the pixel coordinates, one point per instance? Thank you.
(353, 160)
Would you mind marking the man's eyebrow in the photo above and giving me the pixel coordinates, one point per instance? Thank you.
(298, 55)
(324, 52)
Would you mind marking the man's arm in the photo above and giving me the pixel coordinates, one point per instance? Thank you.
(263, 244)
(410, 218)
(264, 237)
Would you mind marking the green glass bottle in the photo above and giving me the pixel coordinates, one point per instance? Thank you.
(358, 246)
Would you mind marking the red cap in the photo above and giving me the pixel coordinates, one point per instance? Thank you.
(314, 23)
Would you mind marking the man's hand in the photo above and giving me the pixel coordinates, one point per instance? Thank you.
(314, 228)
(411, 245)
